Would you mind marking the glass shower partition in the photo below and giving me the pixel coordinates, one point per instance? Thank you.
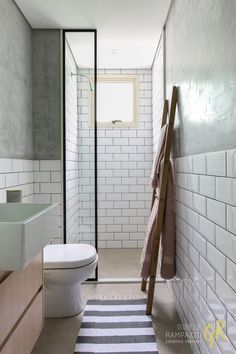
(80, 137)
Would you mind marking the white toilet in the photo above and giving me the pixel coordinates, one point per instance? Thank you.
(65, 268)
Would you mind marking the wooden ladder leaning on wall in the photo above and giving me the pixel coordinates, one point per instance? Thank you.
(161, 196)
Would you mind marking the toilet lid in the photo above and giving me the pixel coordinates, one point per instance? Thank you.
(68, 256)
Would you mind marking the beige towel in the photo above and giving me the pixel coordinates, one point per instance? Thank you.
(147, 249)
(168, 232)
(158, 157)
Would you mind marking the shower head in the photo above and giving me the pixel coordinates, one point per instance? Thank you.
(82, 75)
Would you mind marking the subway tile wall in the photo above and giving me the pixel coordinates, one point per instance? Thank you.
(17, 174)
(158, 92)
(72, 151)
(86, 166)
(48, 188)
(40, 182)
(205, 288)
(124, 167)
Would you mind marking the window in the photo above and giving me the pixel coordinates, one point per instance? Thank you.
(117, 101)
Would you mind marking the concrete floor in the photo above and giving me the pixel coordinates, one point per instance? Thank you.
(119, 263)
(59, 335)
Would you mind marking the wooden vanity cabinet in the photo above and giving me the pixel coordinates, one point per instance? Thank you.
(21, 308)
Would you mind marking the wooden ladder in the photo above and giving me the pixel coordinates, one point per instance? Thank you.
(161, 196)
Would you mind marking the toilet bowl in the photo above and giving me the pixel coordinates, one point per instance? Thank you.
(65, 268)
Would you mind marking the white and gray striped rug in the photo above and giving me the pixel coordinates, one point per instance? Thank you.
(116, 326)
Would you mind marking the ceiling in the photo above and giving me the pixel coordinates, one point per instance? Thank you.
(128, 30)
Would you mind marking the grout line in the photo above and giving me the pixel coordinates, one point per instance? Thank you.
(200, 234)
(209, 264)
(176, 298)
(187, 206)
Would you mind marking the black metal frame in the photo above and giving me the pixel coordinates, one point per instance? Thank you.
(94, 31)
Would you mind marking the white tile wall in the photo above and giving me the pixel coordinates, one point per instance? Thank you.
(231, 163)
(226, 241)
(231, 328)
(158, 93)
(124, 167)
(216, 212)
(207, 186)
(47, 189)
(36, 180)
(216, 259)
(231, 218)
(231, 274)
(216, 163)
(17, 174)
(199, 164)
(206, 245)
(207, 272)
(72, 152)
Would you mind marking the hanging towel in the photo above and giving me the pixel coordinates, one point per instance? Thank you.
(168, 231)
(158, 157)
(168, 238)
(147, 249)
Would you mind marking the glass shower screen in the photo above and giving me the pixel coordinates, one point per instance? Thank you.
(80, 148)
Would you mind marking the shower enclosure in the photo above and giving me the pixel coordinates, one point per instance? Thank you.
(80, 137)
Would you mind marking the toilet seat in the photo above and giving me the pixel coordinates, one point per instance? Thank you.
(68, 256)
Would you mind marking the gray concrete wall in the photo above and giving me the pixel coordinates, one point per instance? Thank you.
(47, 94)
(16, 138)
(201, 61)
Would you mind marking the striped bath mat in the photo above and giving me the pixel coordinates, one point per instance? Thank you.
(116, 326)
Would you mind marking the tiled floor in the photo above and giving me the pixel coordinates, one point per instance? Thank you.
(119, 263)
(59, 335)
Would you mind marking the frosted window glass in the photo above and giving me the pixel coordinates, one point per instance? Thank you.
(115, 101)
